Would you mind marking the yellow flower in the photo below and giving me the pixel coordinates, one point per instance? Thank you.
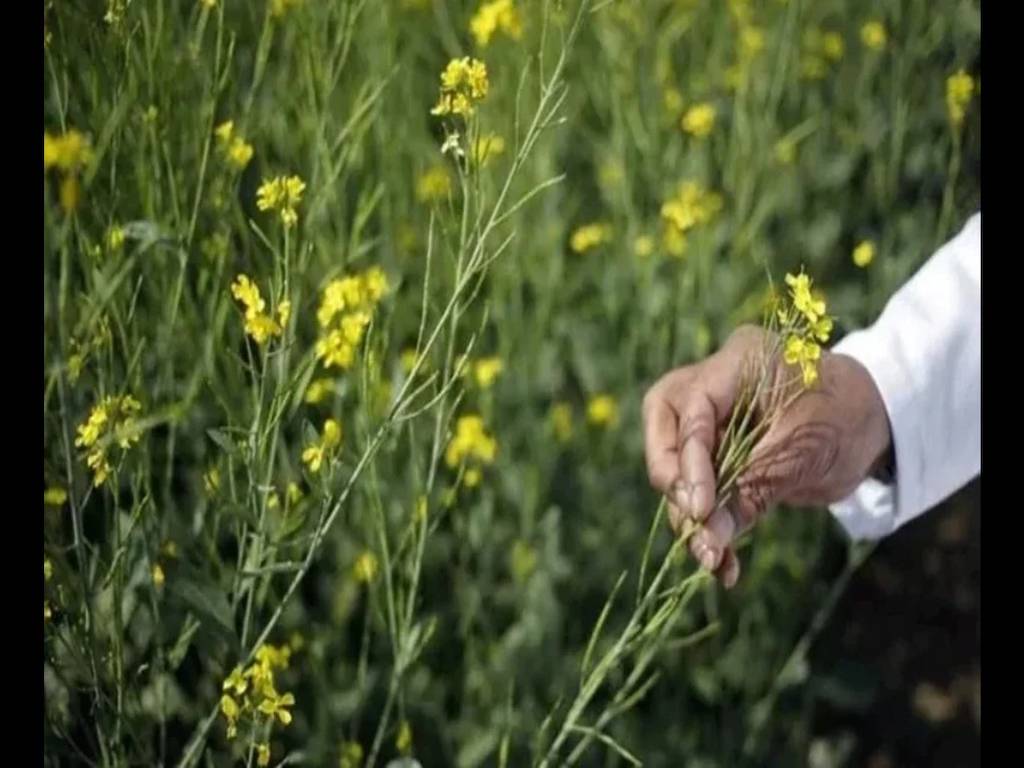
(643, 246)
(351, 755)
(158, 575)
(318, 390)
(602, 410)
(403, 742)
(699, 120)
(561, 421)
(806, 354)
(751, 41)
(864, 254)
(224, 132)
(276, 706)
(239, 153)
(472, 477)
(590, 236)
(315, 454)
(259, 325)
(822, 329)
(433, 185)
(492, 17)
(282, 194)
(832, 46)
(273, 657)
(279, 8)
(810, 306)
(813, 67)
(248, 293)
(55, 496)
(365, 568)
(487, 147)
(420, 512)
(236, 682)
(170, 549)
(486, 370)
(873, 35)
(672, 101)
(211, 480)
(464, 84)
(115, 238)
(471, 442)
(47, 569)
(229, 707)
(47, 611)
(68, 152)
(959, 89)
(692, 206)
(263, 755)
(112, 420)
(294, 493)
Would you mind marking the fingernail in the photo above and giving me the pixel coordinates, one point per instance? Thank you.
(731, 576)
(681, 495)
(707, 557)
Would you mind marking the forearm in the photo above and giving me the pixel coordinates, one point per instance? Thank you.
(924, 355)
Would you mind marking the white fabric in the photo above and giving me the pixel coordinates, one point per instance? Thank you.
(924, 354)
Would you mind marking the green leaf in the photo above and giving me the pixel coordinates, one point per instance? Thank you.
(210, 604)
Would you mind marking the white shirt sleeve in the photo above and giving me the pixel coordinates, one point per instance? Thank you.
(924, 354)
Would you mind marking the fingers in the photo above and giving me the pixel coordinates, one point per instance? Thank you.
(694, 491)
(728, 572)
(660, 441)
(711, 542)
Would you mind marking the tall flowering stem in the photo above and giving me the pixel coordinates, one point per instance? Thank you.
(774, 377)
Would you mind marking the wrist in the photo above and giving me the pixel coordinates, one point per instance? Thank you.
(870, 425)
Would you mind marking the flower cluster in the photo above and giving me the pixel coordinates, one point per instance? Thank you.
(497, 15)
(252, 694)
(590, 236)
(365, 568)
(278, 8)
(692, 206)
(235, 149)
(282, 194)
(820, 48)
(260, 325)
(805, 326)
(313, 456)
(112, 420)
(959, 89)
(463, 85)
(346, 308)
(433, 185)
(471, 445)
(699, 120)
(561, 421)
(69, 154)
(486, 370)
(488, 146)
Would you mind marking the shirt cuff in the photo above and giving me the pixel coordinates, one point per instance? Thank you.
(876, 509)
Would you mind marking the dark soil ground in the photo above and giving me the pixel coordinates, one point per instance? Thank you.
(904, 645)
